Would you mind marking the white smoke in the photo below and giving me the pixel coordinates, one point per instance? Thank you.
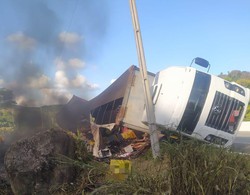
(22, 41)
(39, 83)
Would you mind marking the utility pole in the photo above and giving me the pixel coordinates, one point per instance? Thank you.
(143, 69)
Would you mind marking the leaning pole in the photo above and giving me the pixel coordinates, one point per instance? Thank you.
(143, 70)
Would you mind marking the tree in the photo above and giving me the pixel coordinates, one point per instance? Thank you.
(6, 97)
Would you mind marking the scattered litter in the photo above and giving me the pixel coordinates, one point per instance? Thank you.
(120, 169)
(128, 149)
(115, 141)
(128, 134)
(104, 153)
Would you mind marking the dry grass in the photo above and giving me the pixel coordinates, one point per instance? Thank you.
(186, 168)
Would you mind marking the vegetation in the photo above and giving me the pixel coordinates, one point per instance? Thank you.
(91, 173)
(6, 121)
(18, 121)
(242, 78)
(247, 116)
(6, 112)
(6, 97)
(189, 167)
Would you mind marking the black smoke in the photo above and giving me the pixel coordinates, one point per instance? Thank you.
(28, 65)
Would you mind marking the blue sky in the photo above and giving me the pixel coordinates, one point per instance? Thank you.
(52, 49)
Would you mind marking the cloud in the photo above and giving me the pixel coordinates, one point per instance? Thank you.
(21, 40)
(79, 81)
(69, 37)
(93, 86)
(76, 63)
(61, 79)
(60, 64)
(69, 78)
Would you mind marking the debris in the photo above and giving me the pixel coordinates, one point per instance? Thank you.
(104, 153)
(96, 137)
(128, 149)
(128, 134)
(112, 140)
(120, 169)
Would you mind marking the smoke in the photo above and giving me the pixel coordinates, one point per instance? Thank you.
(22, 41)
(69, 38)
(45, 59)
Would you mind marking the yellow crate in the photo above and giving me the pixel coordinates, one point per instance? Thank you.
(120, 168)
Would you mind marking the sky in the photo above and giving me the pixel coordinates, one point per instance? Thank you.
(53, 49)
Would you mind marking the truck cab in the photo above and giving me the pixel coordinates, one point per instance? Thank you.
(198, 104)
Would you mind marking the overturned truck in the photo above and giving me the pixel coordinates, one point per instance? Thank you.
(199, 105)
(190, 102)
(122, 103)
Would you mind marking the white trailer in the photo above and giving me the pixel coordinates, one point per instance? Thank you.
(198, 105)
(123, 102)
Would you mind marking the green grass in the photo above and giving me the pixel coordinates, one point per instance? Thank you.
(186, 168)
(189, 167)
(197, 168)
(7, 124)
(247, 116)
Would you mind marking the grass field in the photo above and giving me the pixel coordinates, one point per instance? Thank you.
(7, 124)
(189, 167)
